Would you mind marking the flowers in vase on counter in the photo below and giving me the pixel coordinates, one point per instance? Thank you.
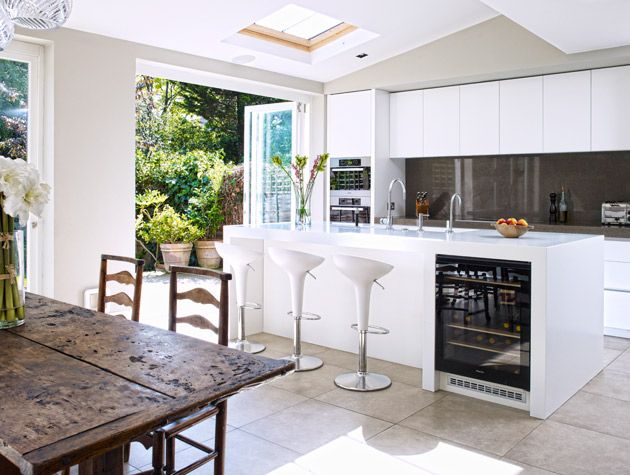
(303, 189)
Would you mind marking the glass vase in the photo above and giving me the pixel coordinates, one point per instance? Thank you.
(302, 213)
(11, 274)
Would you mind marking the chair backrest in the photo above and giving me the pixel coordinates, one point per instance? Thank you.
(202, 296)
(122, 277)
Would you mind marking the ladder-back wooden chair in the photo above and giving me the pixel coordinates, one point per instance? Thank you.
(122, 277)
(169, 434)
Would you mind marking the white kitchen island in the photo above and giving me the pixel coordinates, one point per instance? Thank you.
(566, 297)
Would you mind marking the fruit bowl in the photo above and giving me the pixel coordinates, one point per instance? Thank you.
(511, 230)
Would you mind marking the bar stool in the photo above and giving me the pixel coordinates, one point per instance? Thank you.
(240, 259)
(363, 273)
(297, 265)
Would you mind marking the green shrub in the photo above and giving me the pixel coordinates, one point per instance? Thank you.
(166, 226)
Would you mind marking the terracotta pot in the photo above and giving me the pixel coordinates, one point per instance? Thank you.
(207, 255)
(176, 254)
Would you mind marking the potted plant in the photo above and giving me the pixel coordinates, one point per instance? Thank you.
(205, 213)
(173, 233)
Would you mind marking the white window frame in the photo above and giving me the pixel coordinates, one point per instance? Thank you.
(40, 249)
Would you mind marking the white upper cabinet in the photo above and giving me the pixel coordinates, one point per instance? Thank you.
(441, 122)
(521, 115)
(611, 109)
(349, 124)
(406, 127)
(567, 112)
(479, 119)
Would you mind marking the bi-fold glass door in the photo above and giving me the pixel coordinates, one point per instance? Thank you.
(270, 129)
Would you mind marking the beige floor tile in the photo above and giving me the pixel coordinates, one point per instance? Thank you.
(393, 404)
(346, 456)
(285, 345)
(621, 364)
(610, 383)
(479, 424)
(596, 412)
(611, 355)
(443, 457)
(311, 424)
(260, 402)
(405, 374)
(570, 450)
(616, 343)
(310, 383)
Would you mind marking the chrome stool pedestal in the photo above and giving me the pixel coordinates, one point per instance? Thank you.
(363, 273)
(240, 342)
(302, 362)
(362, 380)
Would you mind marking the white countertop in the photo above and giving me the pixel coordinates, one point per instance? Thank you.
(328, 233)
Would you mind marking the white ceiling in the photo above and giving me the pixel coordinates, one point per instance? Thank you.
(572, 26)
(200, 26)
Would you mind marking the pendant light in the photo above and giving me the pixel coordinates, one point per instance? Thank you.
(7, 30)
(39, 14)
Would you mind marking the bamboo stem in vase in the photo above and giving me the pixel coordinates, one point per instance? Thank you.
(15, 286)
(6, 252)
(3, 313)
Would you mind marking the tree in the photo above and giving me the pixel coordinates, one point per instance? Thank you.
(13, 109)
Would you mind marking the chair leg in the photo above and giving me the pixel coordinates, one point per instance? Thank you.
(220, 430)
(65, 471)
(126, 452)
(170, 455)
(158, 453)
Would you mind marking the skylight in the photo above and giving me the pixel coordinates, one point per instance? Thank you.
(299, 21)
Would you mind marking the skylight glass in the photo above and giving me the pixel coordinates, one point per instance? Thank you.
(299, 21)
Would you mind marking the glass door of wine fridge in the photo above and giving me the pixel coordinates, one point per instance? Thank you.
(483, 312)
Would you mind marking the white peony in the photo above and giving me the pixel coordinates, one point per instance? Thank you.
(23, 192)
(13, 173)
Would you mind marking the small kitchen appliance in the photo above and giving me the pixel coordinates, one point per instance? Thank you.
(616, 213)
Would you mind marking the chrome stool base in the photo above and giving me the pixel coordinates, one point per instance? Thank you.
(247, 346)
(363, 382)
(304, 362)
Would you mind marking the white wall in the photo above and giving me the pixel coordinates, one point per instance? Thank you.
(495, 49)
(94, 129)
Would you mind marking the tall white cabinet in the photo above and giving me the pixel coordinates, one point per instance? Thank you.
(479, 118)
(611, 108)
(521, 115)
(441, 122)
(406, 124)
(567, 112)
(349, 124)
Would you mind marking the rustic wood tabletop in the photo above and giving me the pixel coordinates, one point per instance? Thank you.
(76, 385)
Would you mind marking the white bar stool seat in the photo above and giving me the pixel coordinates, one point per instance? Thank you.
(240, 259)
(297, 265)
(363, 273)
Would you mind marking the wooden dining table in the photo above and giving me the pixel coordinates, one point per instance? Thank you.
(76, 385)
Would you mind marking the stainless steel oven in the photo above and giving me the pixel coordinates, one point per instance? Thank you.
(350, 195)
(483, 316)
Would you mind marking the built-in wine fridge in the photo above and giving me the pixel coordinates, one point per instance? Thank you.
(483, 312)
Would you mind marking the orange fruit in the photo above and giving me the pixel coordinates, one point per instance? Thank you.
(512, 221)
(522, 222)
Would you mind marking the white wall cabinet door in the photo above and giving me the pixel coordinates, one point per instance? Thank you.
(406, 129)
(611, 109)
(479, 119)
(567, 112)
(521, 115)
(349, 124)
(441, 122)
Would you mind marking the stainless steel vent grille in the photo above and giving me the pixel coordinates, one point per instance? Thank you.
(487, 389)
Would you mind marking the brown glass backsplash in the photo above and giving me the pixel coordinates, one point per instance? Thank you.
(519, 185)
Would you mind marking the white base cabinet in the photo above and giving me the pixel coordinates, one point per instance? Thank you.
(617, 288)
